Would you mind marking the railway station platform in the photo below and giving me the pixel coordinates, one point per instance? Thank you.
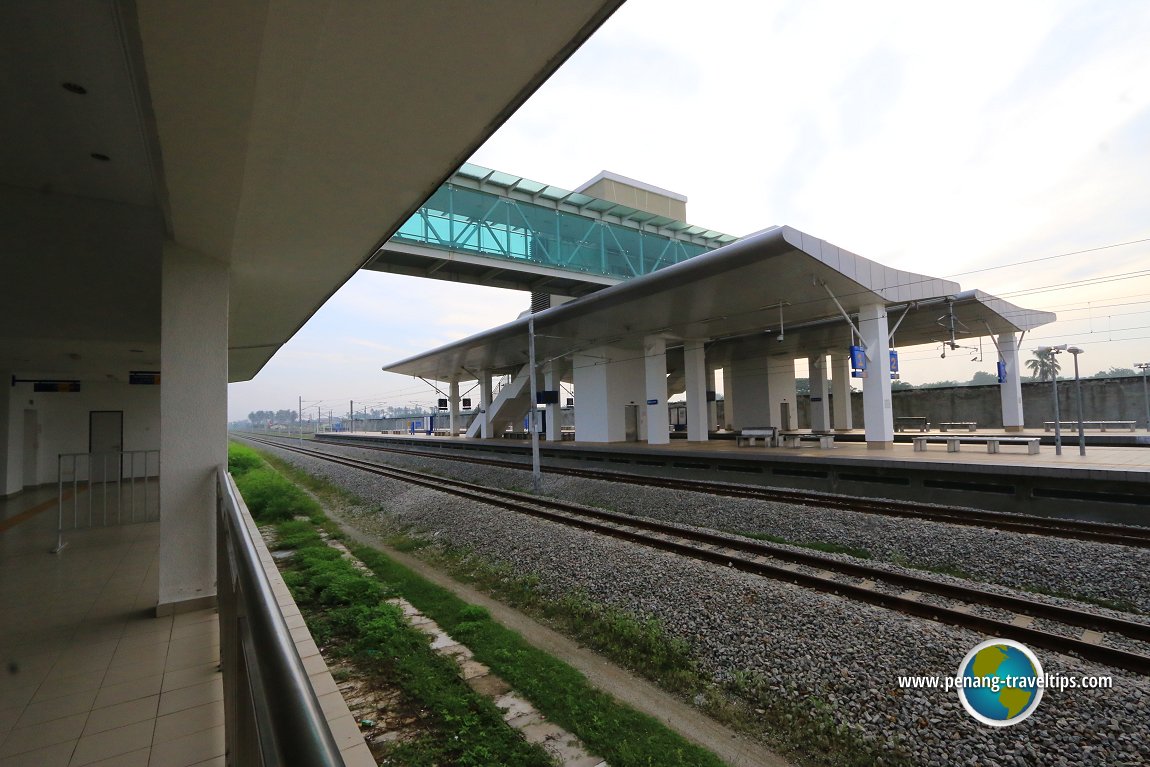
(1109, 484)
(90, 674)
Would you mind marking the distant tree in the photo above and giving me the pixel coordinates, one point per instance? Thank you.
(900, 385)
(802, 386)
(1044, 366)
(940, 384)
(1115, 372)
(982, 378)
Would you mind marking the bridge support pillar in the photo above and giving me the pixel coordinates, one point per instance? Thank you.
(655, 373)
(1011, 389)
(783, 409)
(484, 414)
(878, 414)
(695, 370)
(609, 382)
(552, 380)
(745, 390)
(842, 414)
(453, 407)
(728, 397)
(820, 401)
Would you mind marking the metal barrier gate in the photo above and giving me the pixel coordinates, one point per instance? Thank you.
(104, 489)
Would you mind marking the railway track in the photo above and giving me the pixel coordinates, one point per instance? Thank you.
(810, 570)
(1098, 532)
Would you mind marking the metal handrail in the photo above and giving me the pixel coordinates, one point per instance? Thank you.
(272, 714)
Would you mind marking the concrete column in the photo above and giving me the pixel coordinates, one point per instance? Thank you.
(655, 375)
(1011, 390)
(878, 416)
(607, 380)
(712, 404)
(193, 424)
(728, 397)
(820, 401)
(552, 380)
(841, 392)
(11, 449)
(484, 404)
(748, 386)
(453, 407)
(695, 370)
(780, 390)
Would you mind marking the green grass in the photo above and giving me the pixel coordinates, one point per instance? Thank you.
(619, 734)
(346, 612)
(826, 548)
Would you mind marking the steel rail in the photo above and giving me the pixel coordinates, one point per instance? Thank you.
(748, 555)
(1097, 532)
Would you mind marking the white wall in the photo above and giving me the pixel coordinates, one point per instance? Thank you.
(605, 381)
(63, 421)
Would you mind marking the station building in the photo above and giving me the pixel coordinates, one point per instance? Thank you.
(630, 331)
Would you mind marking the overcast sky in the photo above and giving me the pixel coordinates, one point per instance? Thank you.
(937, 139)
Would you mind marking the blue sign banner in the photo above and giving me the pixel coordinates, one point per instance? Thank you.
(652, 402)
(1001, 371)
(858, 359)
(893, 361)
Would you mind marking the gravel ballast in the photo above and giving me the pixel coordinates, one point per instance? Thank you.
(812, 648)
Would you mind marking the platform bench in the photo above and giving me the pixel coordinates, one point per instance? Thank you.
(797, 440)
(1127, 425)
(768, 434)
(968, 425)
(992, 443)
(904, 422)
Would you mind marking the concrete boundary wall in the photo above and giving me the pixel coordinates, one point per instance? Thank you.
(1110, 399)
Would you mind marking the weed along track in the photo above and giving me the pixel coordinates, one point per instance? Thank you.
(436, 680)
(963, 606)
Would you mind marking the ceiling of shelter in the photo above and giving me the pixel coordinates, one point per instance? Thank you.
(286, 140)
(731, 298)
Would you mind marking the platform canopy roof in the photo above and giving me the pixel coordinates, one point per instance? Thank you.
(779, 281)
(284, 140)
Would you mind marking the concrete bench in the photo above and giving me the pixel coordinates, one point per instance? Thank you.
(992, 443)
(968, 425)
(797, 440)
(747, 436)
(904, 422)
(1103, 425)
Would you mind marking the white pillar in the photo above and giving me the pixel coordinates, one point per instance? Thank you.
(193, 424)
(484, 404)
(878, 415)
(747, 384)
(453, 407)
(728, 397)
(1011, 389)
(841, 392)
(820, 401)
(655, 373)
(712, 404)
(780, 390)
(552, 381)
(695, 370)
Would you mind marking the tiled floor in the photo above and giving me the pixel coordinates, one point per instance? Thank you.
(90, 676)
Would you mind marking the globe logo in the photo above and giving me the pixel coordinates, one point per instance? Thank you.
(999, 682)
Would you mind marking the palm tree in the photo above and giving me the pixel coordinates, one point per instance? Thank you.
(1044, 366)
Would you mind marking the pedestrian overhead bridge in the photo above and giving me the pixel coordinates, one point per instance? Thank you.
(749, 308)
(487, 227)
